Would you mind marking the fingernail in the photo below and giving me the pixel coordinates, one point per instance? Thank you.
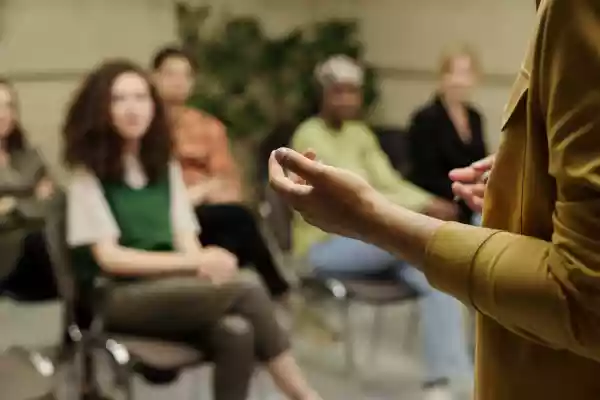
(279, 153)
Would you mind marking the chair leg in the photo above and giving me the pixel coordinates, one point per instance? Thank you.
(89, 386)
(197, 385)
(42, 364)
(412, 327)
(348, 336)
(126, 385)
(376, 334)
(121, 363)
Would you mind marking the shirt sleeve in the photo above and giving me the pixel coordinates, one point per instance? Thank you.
(547, 291)
(387, 180)
(183, 217)
(221, 161)
(89, 219)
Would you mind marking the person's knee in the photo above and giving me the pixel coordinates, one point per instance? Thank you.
(255, 295)
(236, 325)
(234, 333)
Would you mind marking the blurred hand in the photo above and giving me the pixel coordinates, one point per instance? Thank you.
(442, 209)
(332, 199)
(44, 189)
(217, 265)
(214, 190)
(470, 182)
(7, 205)
(199, 192)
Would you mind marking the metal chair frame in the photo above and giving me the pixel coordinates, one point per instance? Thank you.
(341, 291)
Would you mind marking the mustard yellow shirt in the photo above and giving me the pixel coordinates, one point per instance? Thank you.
(354, 147)
(534, 274)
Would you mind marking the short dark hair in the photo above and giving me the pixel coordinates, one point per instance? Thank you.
(90, 139)
(15, 140)
(169, 52)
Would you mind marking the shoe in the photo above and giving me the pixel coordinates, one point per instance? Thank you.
(438, 393)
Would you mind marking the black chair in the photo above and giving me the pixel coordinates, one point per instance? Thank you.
(159, 361)
(394, 143)
(376, 292)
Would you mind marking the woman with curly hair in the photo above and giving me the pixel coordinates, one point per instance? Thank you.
(129, 219)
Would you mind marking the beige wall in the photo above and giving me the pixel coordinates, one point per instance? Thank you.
(45, 45)
(406, 37)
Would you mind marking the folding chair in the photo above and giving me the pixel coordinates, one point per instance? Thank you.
(157, 360)
(377, 293)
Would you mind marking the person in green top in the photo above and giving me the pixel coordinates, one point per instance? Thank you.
(130, 220)
(339, 138)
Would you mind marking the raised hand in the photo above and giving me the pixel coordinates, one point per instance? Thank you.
(217, 265)
(470, 182)
(333, 199)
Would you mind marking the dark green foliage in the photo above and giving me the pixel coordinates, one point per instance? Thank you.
(254, 83)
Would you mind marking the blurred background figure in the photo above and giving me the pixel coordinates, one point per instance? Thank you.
(210, 172)
(130, 219)
(340, 137)
(447, 132)
(25, 193)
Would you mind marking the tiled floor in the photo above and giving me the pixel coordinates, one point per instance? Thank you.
(394, 372)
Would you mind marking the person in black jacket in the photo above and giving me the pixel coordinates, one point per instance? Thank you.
(447, 132)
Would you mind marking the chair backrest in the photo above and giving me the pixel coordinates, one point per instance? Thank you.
(280, 136)
(277, 228)
(394, 143)
(56, 240)
(277, 219)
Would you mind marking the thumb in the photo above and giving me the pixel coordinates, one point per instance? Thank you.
(299, 164)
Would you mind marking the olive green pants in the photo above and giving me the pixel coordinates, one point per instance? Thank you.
(233, 324)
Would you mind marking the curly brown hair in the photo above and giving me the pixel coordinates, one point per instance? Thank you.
(15, 140)
(90, 138)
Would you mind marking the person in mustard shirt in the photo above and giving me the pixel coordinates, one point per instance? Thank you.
(533, 271)
(341, 138)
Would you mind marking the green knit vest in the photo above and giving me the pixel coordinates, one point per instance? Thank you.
(144, 218)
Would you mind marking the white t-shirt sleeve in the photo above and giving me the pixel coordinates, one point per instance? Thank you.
(89, 219)
(183, 217)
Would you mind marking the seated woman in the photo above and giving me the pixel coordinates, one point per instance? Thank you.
(447, 132)
(341, 139)
(129, 218)
(22, 245)
(211, 174)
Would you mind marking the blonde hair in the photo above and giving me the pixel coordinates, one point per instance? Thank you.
(452, 53)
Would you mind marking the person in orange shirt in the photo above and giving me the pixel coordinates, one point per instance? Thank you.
(210, 172)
